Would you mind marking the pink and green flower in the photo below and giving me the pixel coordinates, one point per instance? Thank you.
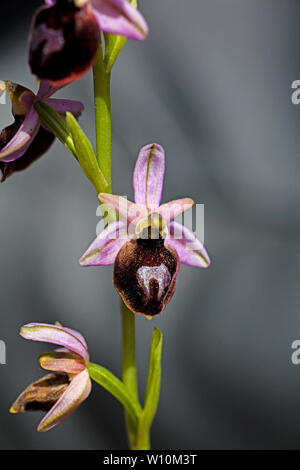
(146, 245)
(62, 391)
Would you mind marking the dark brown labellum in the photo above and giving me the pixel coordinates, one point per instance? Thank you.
(63, 42)
(145, 275)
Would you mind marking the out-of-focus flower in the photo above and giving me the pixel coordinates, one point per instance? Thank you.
(25, 140)
(63, 390)
(65, 35)
(146, 245)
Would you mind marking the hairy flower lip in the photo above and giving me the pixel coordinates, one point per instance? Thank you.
(63, 42)
(51, 54)
(61, 392)
(145, 273)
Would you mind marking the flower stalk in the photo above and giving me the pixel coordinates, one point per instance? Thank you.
(102, 116)
(129, 369)
(103, 153)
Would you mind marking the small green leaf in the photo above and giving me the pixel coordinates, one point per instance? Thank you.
(56, 124)
(112, 384)
(153, 382)
(113, 46)
(86, 155)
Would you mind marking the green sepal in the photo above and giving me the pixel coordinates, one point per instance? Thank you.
(113, 385)
(86, 155)
(55, 123)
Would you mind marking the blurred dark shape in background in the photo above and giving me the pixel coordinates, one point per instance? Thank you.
(212, 84)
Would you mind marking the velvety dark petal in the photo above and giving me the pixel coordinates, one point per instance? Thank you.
(37, 148)
(42, 394)
(145, 275)
(63, 41)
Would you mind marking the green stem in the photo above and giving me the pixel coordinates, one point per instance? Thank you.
(129, 370)
(103, 153)
(102, 116)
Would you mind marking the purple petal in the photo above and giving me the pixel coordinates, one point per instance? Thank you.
(75, 333)
(120, 17)
(148, 176)
(104, 249)
(55, 334)
(63, 106)
(50, 2)
(78, 390)
(19, 144)
(127, 209)
(46, 89)
(172, 209)
(189, 249)
(40, 145)
(62, 361)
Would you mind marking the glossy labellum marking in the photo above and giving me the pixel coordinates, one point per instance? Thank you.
(145, 269)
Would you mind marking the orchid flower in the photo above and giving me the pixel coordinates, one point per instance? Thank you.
(65, 35)
(146, 245)
(67, 386)
(26, 139)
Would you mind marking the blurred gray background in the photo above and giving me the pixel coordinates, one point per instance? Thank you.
(212, 84)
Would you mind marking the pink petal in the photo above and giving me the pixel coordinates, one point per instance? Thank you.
(127, 209)
(104, 249)
(148, 176)
(78, 390)
(189, 249)
(50, 2)
(63, 106)
(19, 144)
(171, 209)
(120, 17)
(62, 361)
(55, 334)
(75, 333)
